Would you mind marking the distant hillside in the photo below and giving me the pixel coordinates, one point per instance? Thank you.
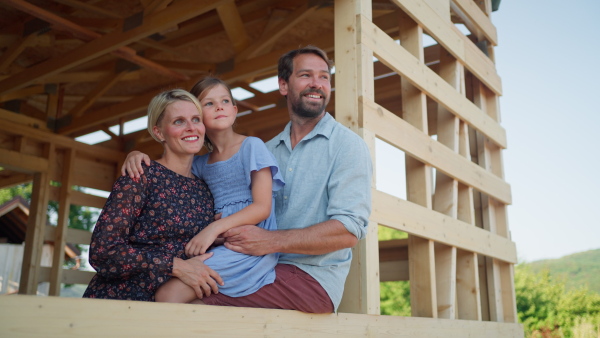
(578, 269)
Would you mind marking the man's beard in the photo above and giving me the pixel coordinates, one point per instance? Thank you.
(304, 109)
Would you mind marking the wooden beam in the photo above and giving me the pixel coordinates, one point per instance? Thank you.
(64, 207)
(71, 317)
(398, 132)
(15, 50)
(234, 26)
(14, 179)
(36, 223)
(413, 69)
(22, 93)
(468, 11)
(12, 128)
(88, 35)
(17, 161)
(455, 42)
(411, 218)
(178, 12)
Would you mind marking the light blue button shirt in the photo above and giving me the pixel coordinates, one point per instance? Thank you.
(328, 176)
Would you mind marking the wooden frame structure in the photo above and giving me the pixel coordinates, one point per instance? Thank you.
(438, 104)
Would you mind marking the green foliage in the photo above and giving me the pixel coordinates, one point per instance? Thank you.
(395, 298)
(578, 269)
(386, 234)
(8, 194)
(546, 308)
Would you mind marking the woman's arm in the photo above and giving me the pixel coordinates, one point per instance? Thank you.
(111, 252)
(256, 212)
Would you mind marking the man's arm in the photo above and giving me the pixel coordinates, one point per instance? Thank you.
(317, 239)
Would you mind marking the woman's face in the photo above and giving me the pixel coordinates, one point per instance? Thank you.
(181, 129)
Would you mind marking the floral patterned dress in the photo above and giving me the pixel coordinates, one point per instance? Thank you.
(143, 227)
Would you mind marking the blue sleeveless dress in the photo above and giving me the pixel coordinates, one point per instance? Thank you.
(230, 183)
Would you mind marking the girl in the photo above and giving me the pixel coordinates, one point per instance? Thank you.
(242, 176)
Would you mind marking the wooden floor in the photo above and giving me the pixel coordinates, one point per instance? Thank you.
(31, 316)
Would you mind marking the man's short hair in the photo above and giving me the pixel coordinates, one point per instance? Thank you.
(286, 61)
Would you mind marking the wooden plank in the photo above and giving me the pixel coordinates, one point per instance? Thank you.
(467, 286)
(394, 271)
(416, 220)
(454, 41)
(398, 132)
(469, 11)
(405, 64)
(14, 179)
(507, 278)
(445, 274)
(67, 276)
(64, 203)
(421, 267)
(17, 161)
(94, 174)
(71, 317)
(421, 262)
(36, 223)
(22, 93)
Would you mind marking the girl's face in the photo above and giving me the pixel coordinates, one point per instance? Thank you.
(218, 109)
(181, 128)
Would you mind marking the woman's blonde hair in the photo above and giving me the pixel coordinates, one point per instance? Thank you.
(159, 103)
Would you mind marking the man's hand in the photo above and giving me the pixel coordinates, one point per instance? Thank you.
(250, 240)
(194, 273)
(133, 164)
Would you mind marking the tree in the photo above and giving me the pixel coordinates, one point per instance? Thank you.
(547, 309)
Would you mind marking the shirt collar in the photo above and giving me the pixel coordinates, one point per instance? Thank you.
(324, 127)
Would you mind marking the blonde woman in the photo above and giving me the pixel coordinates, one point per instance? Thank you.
(139, 241)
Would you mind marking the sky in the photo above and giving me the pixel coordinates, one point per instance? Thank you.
(547, 59)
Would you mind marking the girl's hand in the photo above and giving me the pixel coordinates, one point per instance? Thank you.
(202, 241)
(133, 164)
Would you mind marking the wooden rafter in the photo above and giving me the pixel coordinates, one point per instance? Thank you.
(234, 26)
(180, 11)
(88, 35)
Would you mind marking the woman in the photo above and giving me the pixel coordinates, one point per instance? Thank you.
(139, 240)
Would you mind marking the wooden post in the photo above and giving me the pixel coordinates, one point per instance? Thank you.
(34, 238)
(64, 203)
(418, 181)
(354, 80)
(500, 286)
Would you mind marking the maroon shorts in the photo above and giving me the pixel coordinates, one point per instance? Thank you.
(292, 289)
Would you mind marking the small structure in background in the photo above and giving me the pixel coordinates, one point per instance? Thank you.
(13, 226)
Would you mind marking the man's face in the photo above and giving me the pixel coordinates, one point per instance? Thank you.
(309, 88)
